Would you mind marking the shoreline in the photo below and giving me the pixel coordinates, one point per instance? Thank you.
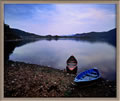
(31, 80)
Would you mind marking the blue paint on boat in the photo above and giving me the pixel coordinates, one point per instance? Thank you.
(88, 75)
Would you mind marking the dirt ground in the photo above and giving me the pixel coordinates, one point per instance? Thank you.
(30, 80)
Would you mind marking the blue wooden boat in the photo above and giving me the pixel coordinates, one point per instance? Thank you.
(87, 76)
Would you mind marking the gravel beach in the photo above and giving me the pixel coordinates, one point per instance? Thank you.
(30, 80)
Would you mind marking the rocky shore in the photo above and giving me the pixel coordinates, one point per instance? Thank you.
(30, 80)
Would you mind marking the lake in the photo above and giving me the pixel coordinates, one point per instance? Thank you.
(54, 53)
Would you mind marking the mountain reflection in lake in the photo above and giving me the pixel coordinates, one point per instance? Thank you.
(55, 53)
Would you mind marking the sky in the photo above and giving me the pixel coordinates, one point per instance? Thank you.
(60, 19)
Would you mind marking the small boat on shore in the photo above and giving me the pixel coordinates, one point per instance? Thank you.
(71, 65)
(87, 76)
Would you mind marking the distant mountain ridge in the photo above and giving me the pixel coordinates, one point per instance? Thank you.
(25, 35)
(96, 34)
(108, 36)
(9, 34)
(16, 34)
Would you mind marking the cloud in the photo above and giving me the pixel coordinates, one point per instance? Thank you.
(64, 19)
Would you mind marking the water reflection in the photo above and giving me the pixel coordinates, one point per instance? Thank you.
(55, 53)
(9, 47)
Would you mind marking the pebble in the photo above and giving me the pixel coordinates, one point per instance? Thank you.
(67, 73)
(41, 86)
(12, 65)
(13, 81)
(73, 83)
(107, 80)
(55, 83)
(110, 86)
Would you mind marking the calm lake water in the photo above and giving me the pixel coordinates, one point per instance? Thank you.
(54, 53)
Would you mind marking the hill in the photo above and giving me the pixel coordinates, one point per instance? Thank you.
(108, 36)
(25, 35)
(16, 34)
(9, 34)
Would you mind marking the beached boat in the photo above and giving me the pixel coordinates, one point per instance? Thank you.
(87, 76)
(71, 65)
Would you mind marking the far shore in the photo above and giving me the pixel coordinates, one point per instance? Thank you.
(30, 80)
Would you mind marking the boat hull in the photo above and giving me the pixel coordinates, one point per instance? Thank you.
(90, 75)
(71, 65)
(73, 71)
